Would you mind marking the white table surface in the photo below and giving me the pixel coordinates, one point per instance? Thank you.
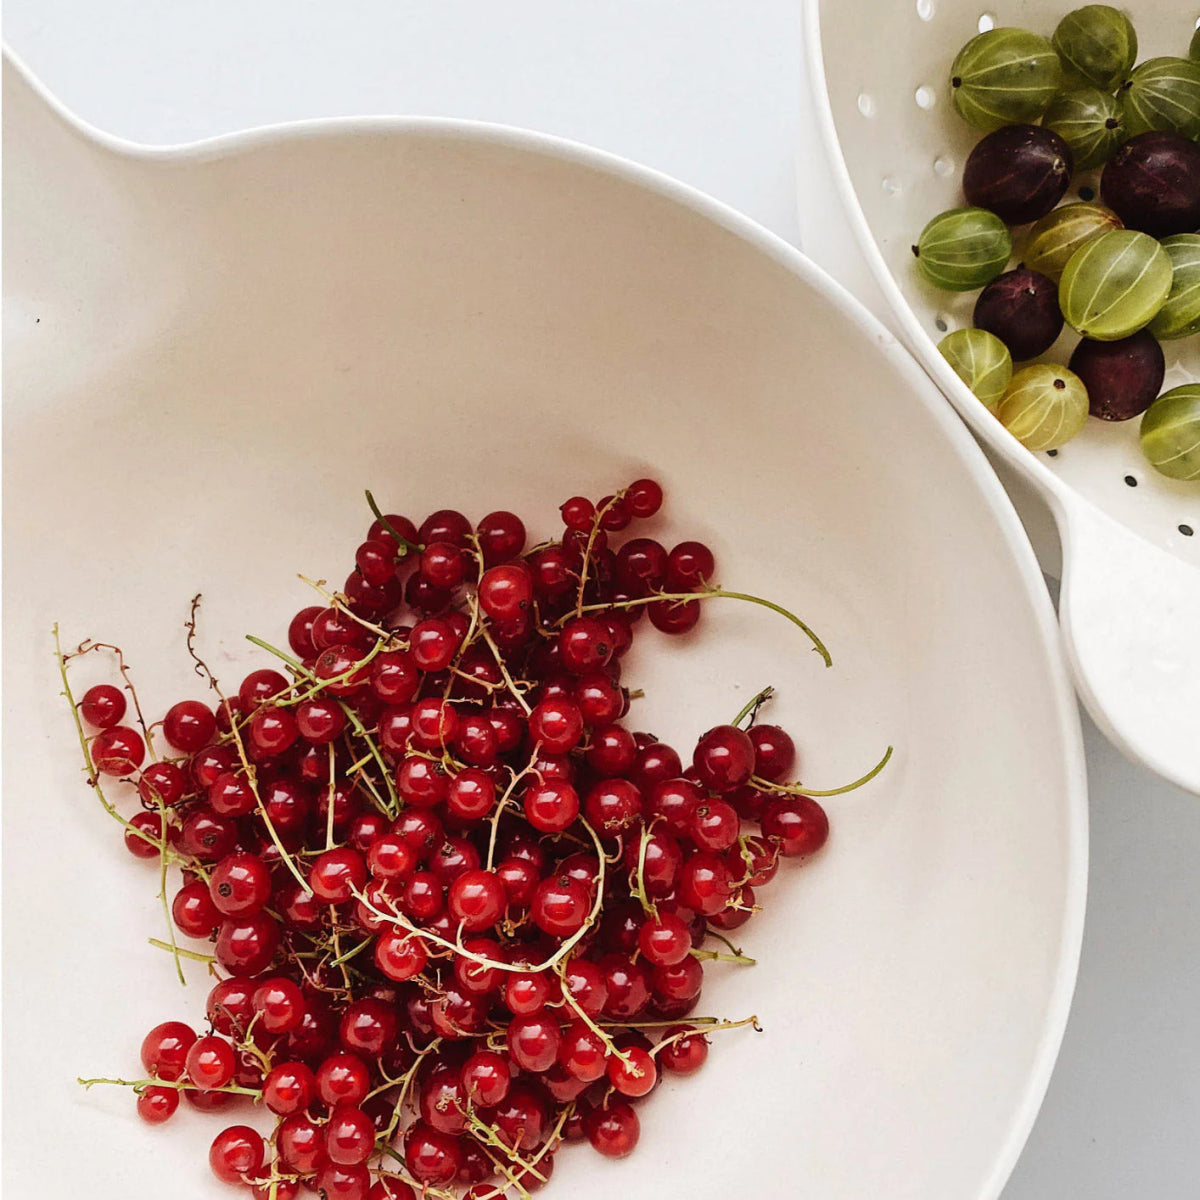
(713, 92)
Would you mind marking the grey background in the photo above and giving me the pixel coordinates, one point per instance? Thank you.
(713, 92)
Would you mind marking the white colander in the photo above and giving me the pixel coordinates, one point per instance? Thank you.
(1130, 604)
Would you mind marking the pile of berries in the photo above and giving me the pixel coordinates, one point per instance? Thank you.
(459, 910)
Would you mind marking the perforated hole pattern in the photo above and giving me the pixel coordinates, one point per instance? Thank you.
(904, 148)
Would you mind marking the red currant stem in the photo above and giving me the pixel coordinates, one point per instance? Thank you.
(392, 808)
(93, 775)
(123, 667)
(714, 592)
(179, 1085)
(252, 779)
(162, 891)
(637, 886)
(329, 807)
(396, 918)
(335, 601)
(181, 952)
(587, 553)
(753, 705)
(406, 1081)
(200, 666)
(487, 1136)
(337, 962)
(710, 932)
(508, 791)
(611, 1046)
(508, 679)
(797, 789)
(716, 956)
(351, 716)
(401, 540)
(710, 1026)
(247, 1046)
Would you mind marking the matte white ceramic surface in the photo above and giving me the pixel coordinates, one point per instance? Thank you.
(212, 350)
(1130, 605)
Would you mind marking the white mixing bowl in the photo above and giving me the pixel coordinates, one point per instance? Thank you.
(213, 349)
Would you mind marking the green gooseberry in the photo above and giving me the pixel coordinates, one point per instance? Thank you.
(1052, 240)
(1090, 122)
(1098, 43)
(1114, 284)
(1180, 316)
(963, 248)
(1004, 77)
(1163, 94)
(1044, 406)
(981, 360)
(1170, 433)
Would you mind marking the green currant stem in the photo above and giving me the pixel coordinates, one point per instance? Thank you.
(252, 778)
(180, 952)
(710, 1026)
(638, 887)
(754, 704)
(597, 515)
(724, 940)
(797, 789)
(716, 956)
(351, 716)
(162, 891)
(610, 1045)
(90, 767)
(503, 804)
(401, 540)
(508, 679)
(179, 1085)
(395, 918)
(683, 597)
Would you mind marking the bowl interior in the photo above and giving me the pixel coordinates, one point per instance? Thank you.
(887, 69)
(469, 319)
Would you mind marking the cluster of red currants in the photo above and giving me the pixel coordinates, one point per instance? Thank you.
(460, 910)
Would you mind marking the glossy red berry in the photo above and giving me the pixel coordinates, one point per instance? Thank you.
(486, 1078)
(144, 835)
(236, 1154)
(157, 1104)
(635, 1075)
(337, 874)
(665, 940)
(349, 1136)
(165, 1049)
(552, 806)
(798, 824)
(189, 725)
(162, 783)
(613, 1130)
(118, 751)
(644, 498)
(289, 1088)
(239, 885)
(476, 900)
(584, 645)
(246, 945)
(211, 1063)
(102, 706)
(400, 955)
(279, 1004)
(506, 592)
(774, 752)
(560, 906)
(684, 1052)
(724, 758)
(432, 1157)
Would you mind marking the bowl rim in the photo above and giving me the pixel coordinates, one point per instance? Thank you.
(901, 359)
